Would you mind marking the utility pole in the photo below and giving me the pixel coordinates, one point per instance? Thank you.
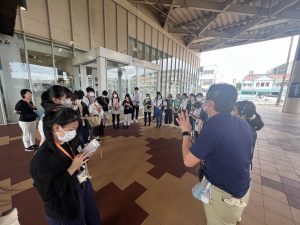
(285, 71)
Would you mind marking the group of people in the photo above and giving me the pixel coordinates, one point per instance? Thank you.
(224, 132)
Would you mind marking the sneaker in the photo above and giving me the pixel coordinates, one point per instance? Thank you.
(30, 149)
(149, 124)
(166, 125)
(170, 125)
(124, 127)
(175, 126)
(127, 127)
(99, 140)
(136, 121)
(132, 121)
(159, 126)
(34, 146)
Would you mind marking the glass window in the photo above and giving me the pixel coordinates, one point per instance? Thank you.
(150, 83)
(154, 55)
(141, 50)
(169, 81)
(262, 84)
(132, 47)
(41, 69)
(147, 52)
(120, 78)
(257, 84)
(267, 84)
(14, 75)
(179, 74)
(64, 66)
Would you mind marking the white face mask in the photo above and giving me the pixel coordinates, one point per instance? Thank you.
(97, 103)
(92, 94)
(159, 97)
(78, 101)
(115, 96)
(69, 135)
(66, 103)
(199, 99)
(127, 98)
(147, 97)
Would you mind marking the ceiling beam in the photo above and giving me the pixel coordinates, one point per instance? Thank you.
(168, 15)
(181, 31)
(234, 8)
(281, 30)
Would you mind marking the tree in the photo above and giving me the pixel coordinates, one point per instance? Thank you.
(238, 86)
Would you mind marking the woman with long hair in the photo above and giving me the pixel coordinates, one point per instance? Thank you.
(115, 106)
(56, 169)
(84, 132)
(96, 109)
(147, 109)
(159, 108)
(128, 106)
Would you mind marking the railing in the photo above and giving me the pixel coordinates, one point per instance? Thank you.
(257, 88)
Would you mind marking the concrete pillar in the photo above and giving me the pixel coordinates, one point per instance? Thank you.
(121, 95)
(76, 78)
(101, 74)
(84, 78)
(292, 105)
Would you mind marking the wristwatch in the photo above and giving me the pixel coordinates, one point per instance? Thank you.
(186, 133)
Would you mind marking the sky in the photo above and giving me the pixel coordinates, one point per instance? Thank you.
(236, 62)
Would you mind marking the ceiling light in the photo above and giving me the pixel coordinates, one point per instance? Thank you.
(60, 49)
(23, 5)
(34, 56)
(48, 55)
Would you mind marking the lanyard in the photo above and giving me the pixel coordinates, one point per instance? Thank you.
(64, 151)
(29, 103)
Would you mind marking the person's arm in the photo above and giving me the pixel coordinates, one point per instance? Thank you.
(199, 126)
(17, 112)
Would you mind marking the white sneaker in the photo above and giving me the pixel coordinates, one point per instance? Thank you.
(136, 121)
(166, 125)
(175, 126)
(132, 121)
(170, 125)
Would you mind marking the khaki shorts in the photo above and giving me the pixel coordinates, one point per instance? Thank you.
(220, 213)
(106, 114)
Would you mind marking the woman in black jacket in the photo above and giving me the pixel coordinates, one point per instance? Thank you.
(55, 167)
(84, 132)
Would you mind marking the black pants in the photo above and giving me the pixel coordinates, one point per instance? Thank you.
(135, 108)
(113, 119)
(175, 121)
(145, 117)
(168, 116)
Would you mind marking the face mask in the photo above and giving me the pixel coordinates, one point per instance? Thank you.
(192, 98)
(199, 99)
(159, 97)
(147, 97)
(115, 96)
(97, 104)
(69, 135)
(127, 98)
(92, 94)
(232, 113)
(66, 103)
(178, 97)
(78, 101)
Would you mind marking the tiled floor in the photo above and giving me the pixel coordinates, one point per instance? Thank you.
(141, 178)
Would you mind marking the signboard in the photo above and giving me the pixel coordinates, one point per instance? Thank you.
(294, 90)
(137, 62)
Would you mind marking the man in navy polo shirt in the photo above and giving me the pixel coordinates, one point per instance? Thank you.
(226, 145)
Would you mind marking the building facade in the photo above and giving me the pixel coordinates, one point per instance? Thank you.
(135, 51)
(208, 75)
(256, 85)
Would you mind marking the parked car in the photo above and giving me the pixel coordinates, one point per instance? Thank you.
(270, 98)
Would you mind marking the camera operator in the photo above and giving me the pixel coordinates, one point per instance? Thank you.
(226, 146)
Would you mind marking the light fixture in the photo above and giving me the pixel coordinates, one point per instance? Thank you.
(23, 5)
(60, 49)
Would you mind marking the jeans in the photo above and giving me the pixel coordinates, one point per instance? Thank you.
(135, 108)
(145, 117)
(168, 116)
(113, 119)
(175, 121)
(84, 134)
(158, 114)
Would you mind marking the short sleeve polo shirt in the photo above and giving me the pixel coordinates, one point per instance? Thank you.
(226, 144)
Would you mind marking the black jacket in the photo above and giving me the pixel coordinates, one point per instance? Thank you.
(26, 110)
(85, 111)
(127, 109)
(55, 185)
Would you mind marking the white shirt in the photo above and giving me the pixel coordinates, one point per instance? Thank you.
(137, 98)
(40, 127)
(158, 102)
(94, 111)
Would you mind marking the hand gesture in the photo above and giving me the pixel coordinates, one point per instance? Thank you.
(86, 116)
(78, 161)
(184, 122)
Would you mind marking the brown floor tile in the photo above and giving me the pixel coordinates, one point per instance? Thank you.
(181, 219)
(267, 163)
(255, 210)
(148, 201)
(123, 181)
(249, 220)
(256, 187)
(145, 166)
(286, 168)
(289, 175)
(164, 214)
(293, 201)
(269, 169)
(270, 175)
(150, 221)
(272, 184)
(256, 198)
(194, 212)
(169, 179)
(159, 189)
(4, 140)
(272, 193)
(290, 182)
(278, 207)
(296, 214)
(255, 177)
(175, 199)
(273, 218)
(106, 193)
(100, 182)
(183, 188)
(22, 186)
(190, 178)
(146, 180)
(135, 173)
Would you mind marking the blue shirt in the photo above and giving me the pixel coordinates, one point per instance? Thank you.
(226, 144)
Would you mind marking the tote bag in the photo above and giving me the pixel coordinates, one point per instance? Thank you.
(95, 121)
